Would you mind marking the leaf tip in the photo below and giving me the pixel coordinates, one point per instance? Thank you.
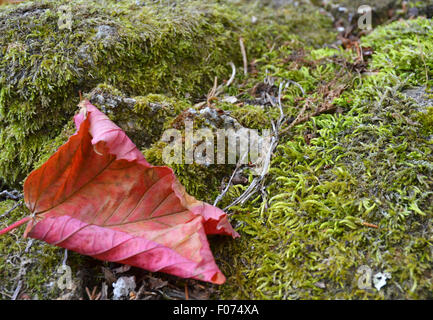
(218, 278)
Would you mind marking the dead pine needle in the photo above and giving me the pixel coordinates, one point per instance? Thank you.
(232, 77)
(238, 165)
(186, 292)
(370, 225)
(93, 295)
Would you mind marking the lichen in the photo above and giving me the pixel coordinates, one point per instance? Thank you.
(203, 181)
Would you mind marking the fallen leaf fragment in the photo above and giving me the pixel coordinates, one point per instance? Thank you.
(97, 195)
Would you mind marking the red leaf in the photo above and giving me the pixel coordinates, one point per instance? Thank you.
(97, 195)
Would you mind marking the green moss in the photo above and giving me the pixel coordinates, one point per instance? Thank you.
(50, 147)
(250, 116)
(201, 181)
(404, 49)
(370, 166)
(426, 120)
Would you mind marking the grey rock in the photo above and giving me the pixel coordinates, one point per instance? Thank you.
(420, 96)
(123, 286)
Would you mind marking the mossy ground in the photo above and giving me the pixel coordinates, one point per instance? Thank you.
(346, 189)
(34, 263)
(365, 167)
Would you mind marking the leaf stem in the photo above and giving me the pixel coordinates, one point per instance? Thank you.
(15, 225)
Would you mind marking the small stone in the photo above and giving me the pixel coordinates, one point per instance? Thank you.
(379, 280)
(230, 99)
(130, 102)
(320, 285)
(123, 286)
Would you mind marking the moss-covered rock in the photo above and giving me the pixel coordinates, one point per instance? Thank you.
(143, 118)
(347, 13)
(139, 48)
(202, 180)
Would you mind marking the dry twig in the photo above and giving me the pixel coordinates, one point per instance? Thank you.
(244, 55)
(14, 195)
(370, 225)
(186, 292)
(258, 182)
(16, 205)
(238, 165)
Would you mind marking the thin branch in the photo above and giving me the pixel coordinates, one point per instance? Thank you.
(258, 182)
(17, 290)
(212, 92)
(22, 272)
(18, 204)
(229, 82)
(298, 85)
(233, 74)
(238, 165)
(299, 119)
(14, 195)
(65, 257)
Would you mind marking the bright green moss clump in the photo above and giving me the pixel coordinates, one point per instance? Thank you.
(374, 168)
(426, 119)
(405, 48)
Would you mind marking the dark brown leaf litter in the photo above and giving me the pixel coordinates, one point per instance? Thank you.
(151, 286)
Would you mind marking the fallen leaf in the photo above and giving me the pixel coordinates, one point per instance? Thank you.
(98, 196)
